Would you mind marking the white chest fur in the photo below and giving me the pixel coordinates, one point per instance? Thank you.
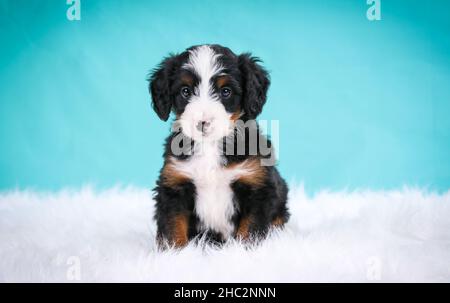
(214, 201)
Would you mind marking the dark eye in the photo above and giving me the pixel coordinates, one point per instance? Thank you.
(185, 92)
(225, 92)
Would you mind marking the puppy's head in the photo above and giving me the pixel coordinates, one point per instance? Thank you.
(208, 88)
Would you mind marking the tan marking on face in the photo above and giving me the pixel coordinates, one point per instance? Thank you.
(187, 80)
(254, 175)
(243, 231)
(172, 177)
(179, 232)
(236, 115)
(222, 81)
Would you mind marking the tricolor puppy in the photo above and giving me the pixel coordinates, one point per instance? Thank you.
(214, 181)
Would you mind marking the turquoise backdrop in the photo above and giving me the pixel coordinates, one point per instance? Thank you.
(361, 104)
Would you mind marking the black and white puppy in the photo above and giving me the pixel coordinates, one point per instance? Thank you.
(214, 181)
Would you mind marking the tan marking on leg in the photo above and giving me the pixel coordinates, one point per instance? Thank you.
(180, 226)
(278, 222)
(243, 231)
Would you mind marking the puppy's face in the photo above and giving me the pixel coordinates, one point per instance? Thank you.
(208, 88)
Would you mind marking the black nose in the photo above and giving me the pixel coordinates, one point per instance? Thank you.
(202, 125)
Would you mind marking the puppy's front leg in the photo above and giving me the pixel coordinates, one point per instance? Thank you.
(251, 228)
(173, 230)
(173, 214)
(243, 230)
(178, 230)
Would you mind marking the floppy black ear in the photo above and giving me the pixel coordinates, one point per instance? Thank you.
(159, 87)
(256, 83)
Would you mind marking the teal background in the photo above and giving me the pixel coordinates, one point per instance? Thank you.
(361, 104)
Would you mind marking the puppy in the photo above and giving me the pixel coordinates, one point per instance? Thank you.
(217, 179)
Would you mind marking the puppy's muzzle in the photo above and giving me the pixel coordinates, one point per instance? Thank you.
(203, 126)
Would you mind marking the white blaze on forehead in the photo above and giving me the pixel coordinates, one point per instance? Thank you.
(203, 61)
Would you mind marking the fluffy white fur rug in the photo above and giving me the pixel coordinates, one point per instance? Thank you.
(109, 236)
